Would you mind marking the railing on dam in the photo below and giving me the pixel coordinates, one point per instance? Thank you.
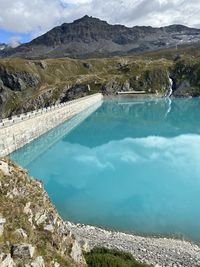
(25, 116)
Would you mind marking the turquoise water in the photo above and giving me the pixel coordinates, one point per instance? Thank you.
(131, 165)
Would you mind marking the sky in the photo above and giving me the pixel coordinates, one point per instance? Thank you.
(23, 20)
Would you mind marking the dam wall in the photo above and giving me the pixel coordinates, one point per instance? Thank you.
(20, 130)
(25, 155)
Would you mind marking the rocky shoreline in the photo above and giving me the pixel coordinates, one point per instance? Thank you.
(163, 252)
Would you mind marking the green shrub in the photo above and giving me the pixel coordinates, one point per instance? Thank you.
(102, 257)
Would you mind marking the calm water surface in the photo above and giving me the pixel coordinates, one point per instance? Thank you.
(132, 165)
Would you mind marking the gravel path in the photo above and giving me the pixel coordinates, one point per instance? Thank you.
(155, 251)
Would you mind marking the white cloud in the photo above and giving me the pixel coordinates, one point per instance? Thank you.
(76, 2)
(38, 16)
(145, 157)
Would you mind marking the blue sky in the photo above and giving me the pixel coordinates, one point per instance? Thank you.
(6, 36)
(23, 20)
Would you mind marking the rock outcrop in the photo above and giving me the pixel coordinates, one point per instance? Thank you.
(32, 234)
(18, 81)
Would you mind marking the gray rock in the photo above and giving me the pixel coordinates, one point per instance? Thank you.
(38, 262)
(2, 222)
(6, 260)
(22, 251)
(4, 167)
(41, 64)
(49, 228)
(87, 65)
(18, 81)
(40, 217)
(76, 253)
(126, 86)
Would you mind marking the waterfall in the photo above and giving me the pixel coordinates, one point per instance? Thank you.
(170, 89)
(169, 106)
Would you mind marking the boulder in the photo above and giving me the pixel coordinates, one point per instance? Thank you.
(87, 65)
(76, 253)
(22, 251)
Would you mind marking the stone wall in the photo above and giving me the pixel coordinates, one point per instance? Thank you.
(18, 131)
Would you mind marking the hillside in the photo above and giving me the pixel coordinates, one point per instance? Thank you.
(31, 231)
(92, 37)
(27, 85)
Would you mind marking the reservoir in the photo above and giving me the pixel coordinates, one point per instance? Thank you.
(129, 164)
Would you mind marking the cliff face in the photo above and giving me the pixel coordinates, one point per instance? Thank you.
(186, 76)
(31, 231)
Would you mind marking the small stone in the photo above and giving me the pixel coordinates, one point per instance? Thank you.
(4, 167)
(87, 65)
(86, 247)
(49, 228)
(40, 218)
(27, 209)
(22, 251)
(55, 264)
(2, 222)
(38, 262)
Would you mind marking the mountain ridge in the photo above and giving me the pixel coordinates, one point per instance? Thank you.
(92, 37)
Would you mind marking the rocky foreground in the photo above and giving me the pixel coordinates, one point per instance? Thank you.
(153, 251)
(32, 234)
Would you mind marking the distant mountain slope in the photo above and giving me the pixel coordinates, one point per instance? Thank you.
(91, 37)
(3, 46)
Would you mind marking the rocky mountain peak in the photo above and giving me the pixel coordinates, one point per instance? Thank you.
(92, 37)
(86, 19)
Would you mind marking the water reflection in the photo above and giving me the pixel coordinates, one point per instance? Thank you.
(139, 118)
(132, 165)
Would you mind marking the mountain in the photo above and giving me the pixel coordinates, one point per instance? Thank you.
(91, 37)
(3, 46)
